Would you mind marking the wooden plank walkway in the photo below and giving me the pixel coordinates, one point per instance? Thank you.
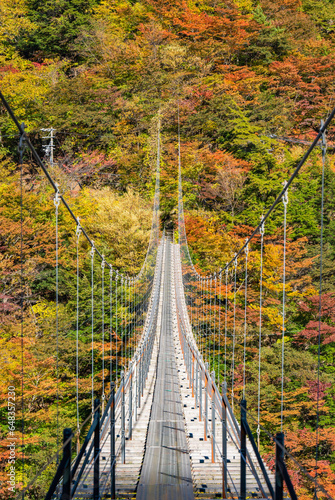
(166, 472)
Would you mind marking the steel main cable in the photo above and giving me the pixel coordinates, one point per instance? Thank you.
(319, 136)
(54, 185)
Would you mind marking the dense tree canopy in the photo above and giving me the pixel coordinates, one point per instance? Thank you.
(252, 80)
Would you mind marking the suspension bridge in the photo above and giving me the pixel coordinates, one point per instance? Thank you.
(168, 421)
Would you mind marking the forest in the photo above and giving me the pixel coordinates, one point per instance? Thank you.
(251, 81)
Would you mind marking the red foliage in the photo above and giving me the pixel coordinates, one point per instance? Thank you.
(311, 308)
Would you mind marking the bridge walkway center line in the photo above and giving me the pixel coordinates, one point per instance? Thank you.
(166, 471)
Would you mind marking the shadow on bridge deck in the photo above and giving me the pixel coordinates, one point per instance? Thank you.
(166, 471)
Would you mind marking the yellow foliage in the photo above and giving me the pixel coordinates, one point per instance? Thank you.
(245, 5)
(13, 20)
(45, 317)
(123, 224)
(28, 83)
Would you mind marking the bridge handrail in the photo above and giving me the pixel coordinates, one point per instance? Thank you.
(210, 386)
(144, 346)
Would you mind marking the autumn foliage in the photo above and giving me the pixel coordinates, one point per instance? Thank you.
(251, 81)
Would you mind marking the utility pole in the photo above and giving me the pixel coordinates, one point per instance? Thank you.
(49, 148)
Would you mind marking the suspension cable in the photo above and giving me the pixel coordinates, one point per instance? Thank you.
(110, 324)
(116, 325)
(210, 283)
(207, 327)
(285, 202)
(190, 300)
(92, 323)
(125, 359)
(225, 328)
(198, 310)
(234, 335)
(219, 312)
(260, 336)
(21, 150)
(128, 320)
(203, 318)
(39, 162)
(78, 233)
(214, 314)
(56, 203)
(103, 329)
(245, 314)
(121, 321)
(135, 316)
(324, 152)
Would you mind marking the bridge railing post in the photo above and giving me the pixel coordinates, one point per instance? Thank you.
(213, 416)
(192, 373)
(112, 440)
(196, 384)
(206, 404)
(123, 420)
(139, 378)
(280, 455)
(190, 368)
(67, 479)
(224, 442)
(130, 406)
(243, 462)
(96, 470)
(136, 388)
(200, 394)
(143, 367)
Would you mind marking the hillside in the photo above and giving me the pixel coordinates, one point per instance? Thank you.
(251, 81)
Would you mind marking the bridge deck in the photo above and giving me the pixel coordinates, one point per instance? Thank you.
(166, 471)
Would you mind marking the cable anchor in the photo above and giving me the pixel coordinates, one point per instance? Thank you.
(246, 249)
(285, 194)
(22, 142)
(57, 197)
(92, 249)
(323, 136)
(78, 229)
(261, 227)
